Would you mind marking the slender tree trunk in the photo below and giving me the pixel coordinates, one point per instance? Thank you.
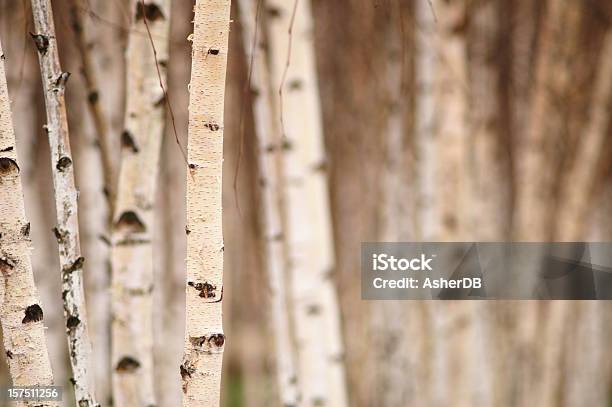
(21, 313)
(132, 252)
(538, 155)
(308, 234)
(398, 373)
(580, 181)
(204, 338)
(489, 215)
(67, 234)
(271, 207)
(424, 117)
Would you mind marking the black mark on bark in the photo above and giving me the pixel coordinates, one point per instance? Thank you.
(60, 235)
(8, 166)
(206, 290)
(212, 126)
(295, 84)
(72, 322)
(130, 221)
(149, 11)
(127, 141)
(25, 230)
(273, 12)
(127, 364)
(76, 265)
(93, 96)
(213, 51)
(6, 264)
(32, 314)
(4, 150)
(41, 42)
(63, 163)
(9, 354)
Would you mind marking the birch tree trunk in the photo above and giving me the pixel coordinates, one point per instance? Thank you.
(579, 184)
(538, 156)
(66, 232)
(399, 374)
(204, 338)
(21, 313)
(309, 241)
(272, 220)
(132, 253)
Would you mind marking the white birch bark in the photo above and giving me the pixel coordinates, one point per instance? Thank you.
(308, 234)
(578, 186)
(21, 313)
(66, 232)
(204, 337)
(271, 207)
(132, 251)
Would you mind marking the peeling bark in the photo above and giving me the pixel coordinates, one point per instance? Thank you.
(54, 83)
(204, 338)
(309, 241)
(21, 315)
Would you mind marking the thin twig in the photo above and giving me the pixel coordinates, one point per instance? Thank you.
(161, 82)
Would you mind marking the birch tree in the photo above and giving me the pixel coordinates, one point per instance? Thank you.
(204, 338)
(271, 217)
(67, 234)
(309, 240)
(21, 313)
(539, 158)
(132, 254)
(579, 184)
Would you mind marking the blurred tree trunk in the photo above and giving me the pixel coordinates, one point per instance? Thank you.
(21, 315)
(308, 231)
(170, 245)
(132, 250)
(204, 338)
(538, 152)
(271, 181)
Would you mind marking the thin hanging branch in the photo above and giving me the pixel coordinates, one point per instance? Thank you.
(204, 338)
(132, 250)
(67, 230)
(21, 314)
(93, 102)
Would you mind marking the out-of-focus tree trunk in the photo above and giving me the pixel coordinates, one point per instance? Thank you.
(21, 313)
(308, 232)
(548, 122)
(271, 181)
(579, 185)
(204, 338)
(132, 250)
(170, 245)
